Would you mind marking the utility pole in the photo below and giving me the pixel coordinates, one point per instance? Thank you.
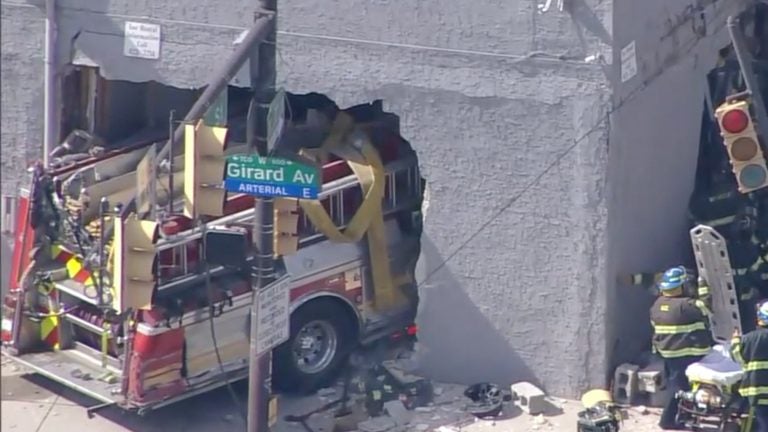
(51, 91)
(263, 76)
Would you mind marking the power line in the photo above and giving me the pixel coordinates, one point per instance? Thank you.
(604, 118)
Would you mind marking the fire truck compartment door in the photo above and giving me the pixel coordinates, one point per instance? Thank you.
(231, 328)
(714, 265)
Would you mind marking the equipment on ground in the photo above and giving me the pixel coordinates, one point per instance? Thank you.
(600, 414)
(713, 400)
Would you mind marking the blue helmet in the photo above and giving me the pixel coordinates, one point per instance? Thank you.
(673, 279)
(762, 313)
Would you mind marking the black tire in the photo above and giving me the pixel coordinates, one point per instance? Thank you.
(294, 374)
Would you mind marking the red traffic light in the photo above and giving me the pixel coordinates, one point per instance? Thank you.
(735, 121)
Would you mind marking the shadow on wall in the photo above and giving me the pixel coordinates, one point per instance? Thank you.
(457, 343)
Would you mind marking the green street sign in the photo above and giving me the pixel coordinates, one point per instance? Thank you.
(269, 176)
(216, 115)
(271, 170)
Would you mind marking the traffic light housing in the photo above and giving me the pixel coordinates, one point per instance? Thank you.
(134, 263)
(286, 224)
(204, 165)
(742, 144)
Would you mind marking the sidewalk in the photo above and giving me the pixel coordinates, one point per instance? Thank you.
(31, 403)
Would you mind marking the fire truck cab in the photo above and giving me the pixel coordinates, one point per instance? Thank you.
(140, 343)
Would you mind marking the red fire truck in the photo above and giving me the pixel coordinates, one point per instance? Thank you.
(133, 326)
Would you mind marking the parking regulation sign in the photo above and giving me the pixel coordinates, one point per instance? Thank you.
(273, 315)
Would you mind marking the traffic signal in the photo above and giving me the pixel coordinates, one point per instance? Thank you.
(286, 225)
(743, 145)
(204, 165)
(134, 262)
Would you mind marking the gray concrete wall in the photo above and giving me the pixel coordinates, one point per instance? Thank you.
(522, 294)
(655, 132)
(21, 78)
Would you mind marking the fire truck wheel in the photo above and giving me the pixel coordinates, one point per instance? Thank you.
(322, 336)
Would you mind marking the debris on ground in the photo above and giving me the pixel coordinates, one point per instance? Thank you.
(529, 398)
(486, 400)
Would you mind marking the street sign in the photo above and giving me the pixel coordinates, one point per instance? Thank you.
(276, 119)
(273, 315)
(269, 190)
(271, 177)
(146, 183)
(216, 115)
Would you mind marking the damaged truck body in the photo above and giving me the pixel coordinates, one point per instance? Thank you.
(122, 299)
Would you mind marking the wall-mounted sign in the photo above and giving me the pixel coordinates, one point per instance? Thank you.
(142, 40)
(628, 62)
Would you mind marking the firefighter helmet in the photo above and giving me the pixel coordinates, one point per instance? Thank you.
(762, 314)
(673, 279)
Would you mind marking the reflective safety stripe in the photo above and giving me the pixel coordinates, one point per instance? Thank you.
(717, 222)
(703, 291)
(736, 350)
(756, 365)
(73, 264)
(676, 329)
(703, 308)
(741, 272)
(753, 391)
(685, 352)
(757, 264)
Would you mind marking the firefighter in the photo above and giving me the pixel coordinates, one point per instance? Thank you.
(751, 351)
(680, 334)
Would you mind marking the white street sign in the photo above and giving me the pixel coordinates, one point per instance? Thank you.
(142, 40)
(273, 312)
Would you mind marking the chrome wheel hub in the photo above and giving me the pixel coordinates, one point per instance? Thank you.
(315, 346)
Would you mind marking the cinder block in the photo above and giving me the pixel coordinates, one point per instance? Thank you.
(625, 384)
(651, 378)
(398, 413)
(529, 398)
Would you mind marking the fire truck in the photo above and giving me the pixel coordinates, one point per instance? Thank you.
(132, 310)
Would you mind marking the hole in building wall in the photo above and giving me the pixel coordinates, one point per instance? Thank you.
(404, 185)
(122, 113)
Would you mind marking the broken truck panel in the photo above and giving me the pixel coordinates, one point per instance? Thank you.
(146, 342)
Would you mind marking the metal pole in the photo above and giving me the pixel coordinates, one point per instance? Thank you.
(263, 74)
(218, 83)
(222, 78)
(170, 163)
(51, 121)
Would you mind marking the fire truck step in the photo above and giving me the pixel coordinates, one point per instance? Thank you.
(77, 375)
